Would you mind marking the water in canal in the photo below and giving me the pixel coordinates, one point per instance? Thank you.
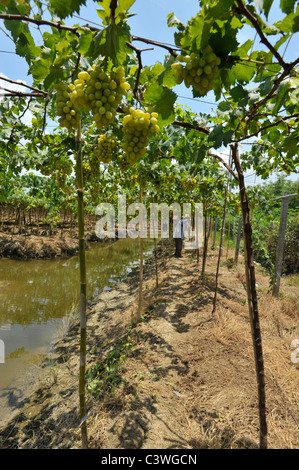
(35, 296)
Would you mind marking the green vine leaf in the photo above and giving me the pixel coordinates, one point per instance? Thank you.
(219, 137)
(64, 8)
(111, 43)
(162, 100)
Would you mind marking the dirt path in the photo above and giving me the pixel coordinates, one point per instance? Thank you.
(185, 379)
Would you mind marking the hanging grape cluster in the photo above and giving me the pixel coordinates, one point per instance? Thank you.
(104, 93)
(123, 162)
(57, 168)
(60, 178)
(139, 127)
(77, 90)
(197, 70)
(88, 172)
(189, 184)
(101, 153)
(95, 192)
(98, 91)
(105, 148)
(66, 108)
(142, 177)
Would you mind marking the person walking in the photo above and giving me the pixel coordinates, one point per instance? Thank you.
(179, 235)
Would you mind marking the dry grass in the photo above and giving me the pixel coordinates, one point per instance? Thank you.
(204, 367)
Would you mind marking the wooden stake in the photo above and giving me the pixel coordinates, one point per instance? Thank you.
(252, 300)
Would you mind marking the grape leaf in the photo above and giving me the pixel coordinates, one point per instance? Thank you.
(40, 68)
(290, 145)
(290, 24)
(218, 9)
(149, 74)
(86, 37)
(282, 93)
(287, 6)
(111, 43)
(172, 20)
(218, 136)
(239, 95)
(162, 99)
(267, 7)
(64, 8)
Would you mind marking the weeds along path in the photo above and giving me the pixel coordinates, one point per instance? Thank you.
(179, 378)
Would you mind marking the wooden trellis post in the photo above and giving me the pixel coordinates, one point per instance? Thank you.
(252, 300)
(238, 240)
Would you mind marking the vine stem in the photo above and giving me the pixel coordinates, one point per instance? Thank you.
(82, 366)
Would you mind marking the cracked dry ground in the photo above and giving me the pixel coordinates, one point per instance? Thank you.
(189, 381)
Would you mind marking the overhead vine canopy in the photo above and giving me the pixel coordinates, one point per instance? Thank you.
(256, 90)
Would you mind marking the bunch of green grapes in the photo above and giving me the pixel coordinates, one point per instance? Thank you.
(95, 192)
(142, 177)
(139, 127)
(44, 168)
(66, 107)
(78, 88)
(64, 166)
(170, 179)
(189, 184)
(197, 70)
(60, 178)
(103, 94)
(105, 148)
(134, 179)
(93, 165)
(87, 172)
(123, 162)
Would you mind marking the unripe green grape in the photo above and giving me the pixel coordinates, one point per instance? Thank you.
(105, 148)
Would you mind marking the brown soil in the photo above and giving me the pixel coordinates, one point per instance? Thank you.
(188, 378)
(42, 242)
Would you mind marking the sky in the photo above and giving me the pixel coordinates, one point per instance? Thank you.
(149, 22)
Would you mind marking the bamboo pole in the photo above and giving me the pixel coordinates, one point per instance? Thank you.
(82, 367)
(155, 253)
(163, 253)
(205, 247)
(228, 236)
(252, 300)
(220, 250)
(140, 295)
(156, 262)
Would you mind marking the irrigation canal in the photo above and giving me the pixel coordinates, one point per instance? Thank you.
(35, 298)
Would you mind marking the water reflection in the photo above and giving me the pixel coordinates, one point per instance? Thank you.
(34, 294)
